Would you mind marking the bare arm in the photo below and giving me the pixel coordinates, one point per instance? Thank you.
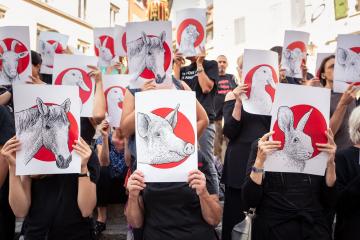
(236, 94)
(99, 97)
(5, 98)
(178, 62)
(4, 168)
(127, 123)
(338, 116)
(210, 208)
(103, 153)
(86, 197)
(202, 119)
(205, 82)
(127, 153)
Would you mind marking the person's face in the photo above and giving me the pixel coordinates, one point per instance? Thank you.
(36, 70)
(222, 64)
(118, 142)
(329, 70)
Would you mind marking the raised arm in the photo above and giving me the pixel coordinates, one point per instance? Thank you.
(103, 148)
(178, 62)
(202, 119)
(338, 116)
(19, 187)
(135, 207)
(86, 187)
(99, 97)
(205, 82)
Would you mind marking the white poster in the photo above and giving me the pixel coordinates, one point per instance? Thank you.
(120, 41)
(149, 52)
(15, 55)
(319, 58)
(260, 73)
(347, 62)
(104, 46)
(294, 52)
(114, 90)
(166, 141)
(47, 121)
(190, 30)
(300, 117)
(51, 43)
(73, 70)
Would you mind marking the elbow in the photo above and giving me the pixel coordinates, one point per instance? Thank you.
(20, 212)
(215, 220)
(135, 223)
(98, 117)
(206, 90)
(87, 211)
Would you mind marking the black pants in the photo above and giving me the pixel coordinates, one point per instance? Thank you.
(7, 218)
(233, 211)
(110, 190)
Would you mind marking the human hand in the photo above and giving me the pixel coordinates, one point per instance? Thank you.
(265, 147)
(135, 184)
(349, 95)
(197, 181)
(178, 58)
(34, 80)
(104, 128)
(201, 56)
(329, 147)
(239, 90)
(9, 150)
(95, 73)
(314, 82)
(149, 85)
(83, 150)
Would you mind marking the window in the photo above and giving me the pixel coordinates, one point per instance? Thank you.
(43, 28)
(2, 11)
(82, 9)
(239, 30)
(140, 3)
(83, 46)
(114, 11)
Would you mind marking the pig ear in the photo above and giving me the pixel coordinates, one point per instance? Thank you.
(43, 109)
(163, 36)
(172, 117)
(342, 55)
(143, 121)
(145, 38)
(66, 105)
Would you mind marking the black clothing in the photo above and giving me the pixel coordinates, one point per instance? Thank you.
(241, 134)
(54, 210)
(342, 138)
(233, 211)
(46, 78)
(288, 205)
(173, 211)
(348, 182)
(298, 81)
(7, 124)
(7, 217)
(225, 84)
(87, 130)
(9, 89)
(110, 190)
(188, 74)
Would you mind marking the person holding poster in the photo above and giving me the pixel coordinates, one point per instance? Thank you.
(348, 182)
(241, 128)
(46, 200)
(341, 105)
(289, 205)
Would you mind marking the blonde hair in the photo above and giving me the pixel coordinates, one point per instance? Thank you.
(354, 125)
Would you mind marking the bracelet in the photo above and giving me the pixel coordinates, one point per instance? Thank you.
(199, 70)
(87, 174)
(257, 170)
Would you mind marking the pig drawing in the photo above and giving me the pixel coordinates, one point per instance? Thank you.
(158, 140)
(350, 62)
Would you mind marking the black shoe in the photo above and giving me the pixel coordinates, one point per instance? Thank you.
(99, 228)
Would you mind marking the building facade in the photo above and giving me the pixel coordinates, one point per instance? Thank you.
(76, 18)
(260, 24)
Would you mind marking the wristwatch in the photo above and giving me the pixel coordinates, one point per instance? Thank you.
(199, 70)
(87, 174)
(257, 170)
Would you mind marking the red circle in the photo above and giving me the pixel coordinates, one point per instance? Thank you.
(23, 63)
(120, 104)
(183, 130)
(199, 28)
(300, 45)
(46, 155)
(84, 95)
(123, 41)
(147, 73)
(355, 49)
(268, 88)
(315, 126)
(109, 45)
(59, 49)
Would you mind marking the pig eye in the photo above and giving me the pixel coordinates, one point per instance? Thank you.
(352, 64)
(149, 53)
(157, 134)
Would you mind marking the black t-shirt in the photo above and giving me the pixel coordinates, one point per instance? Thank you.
(225, 84)
(7, 126)
(173, 211)
(54, 210)
(189, 75)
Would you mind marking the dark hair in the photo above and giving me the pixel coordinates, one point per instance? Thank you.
(35, 58)
(322, 69)
(277, 49)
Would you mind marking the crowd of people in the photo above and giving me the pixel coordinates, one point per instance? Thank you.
(233, 145)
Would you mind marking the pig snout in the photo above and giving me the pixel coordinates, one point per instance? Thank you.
(189, 149)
